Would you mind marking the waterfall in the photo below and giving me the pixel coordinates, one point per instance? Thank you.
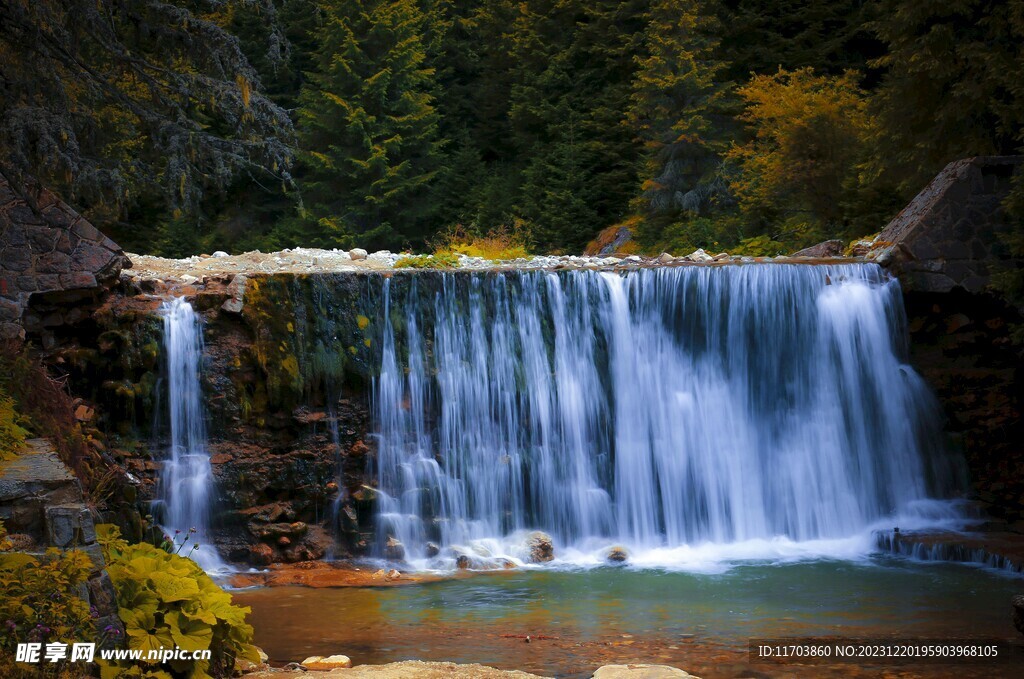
(186, 479)
(755, 408)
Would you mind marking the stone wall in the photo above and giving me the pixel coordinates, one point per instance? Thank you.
(949, 235)
(50, 257)
(945, 246)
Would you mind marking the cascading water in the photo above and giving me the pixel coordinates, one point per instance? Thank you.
(186, 479)
(740, 410)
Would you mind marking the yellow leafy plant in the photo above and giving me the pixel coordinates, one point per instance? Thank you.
(38, 604)
(166, 601)
(502, 243)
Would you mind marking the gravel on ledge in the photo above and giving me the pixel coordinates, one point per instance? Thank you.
(311, 260)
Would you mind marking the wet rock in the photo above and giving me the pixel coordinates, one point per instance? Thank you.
(275, 531)
(394, 550)
(322, 663)
(617, 554)
(261, 554)
(432, 550)
(1018, 612)
(539, 547)
(639, 671)
(358, 253)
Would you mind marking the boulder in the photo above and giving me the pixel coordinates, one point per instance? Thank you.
(394, 550)
(324, 663)
(617, 554)
(699, 255)
(665, 258)
(828, 248)
(432, 550)
(358, 253)
(539, 547)
(639, 671)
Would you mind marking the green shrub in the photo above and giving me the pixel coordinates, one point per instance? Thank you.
(442, 260)
(166, 600)
(12, 434)
(759, 246)
(38, 604)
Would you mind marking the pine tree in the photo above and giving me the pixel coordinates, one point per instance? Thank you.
(676, 110)
(368, 127)
(574, 67)
(953, 85)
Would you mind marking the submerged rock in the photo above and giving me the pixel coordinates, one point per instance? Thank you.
(539, 547)
(617, 554)
(465, 562)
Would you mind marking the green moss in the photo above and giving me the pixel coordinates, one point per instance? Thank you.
(442, 260)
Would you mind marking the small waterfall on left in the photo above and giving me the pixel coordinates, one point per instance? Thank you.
(186, 479)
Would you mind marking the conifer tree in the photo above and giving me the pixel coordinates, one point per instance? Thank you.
(676, 109)
(953, 85)
(368, 127)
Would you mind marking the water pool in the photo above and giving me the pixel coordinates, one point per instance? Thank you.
(578, 620)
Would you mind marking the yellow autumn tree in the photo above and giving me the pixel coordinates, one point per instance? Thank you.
(799, 168)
